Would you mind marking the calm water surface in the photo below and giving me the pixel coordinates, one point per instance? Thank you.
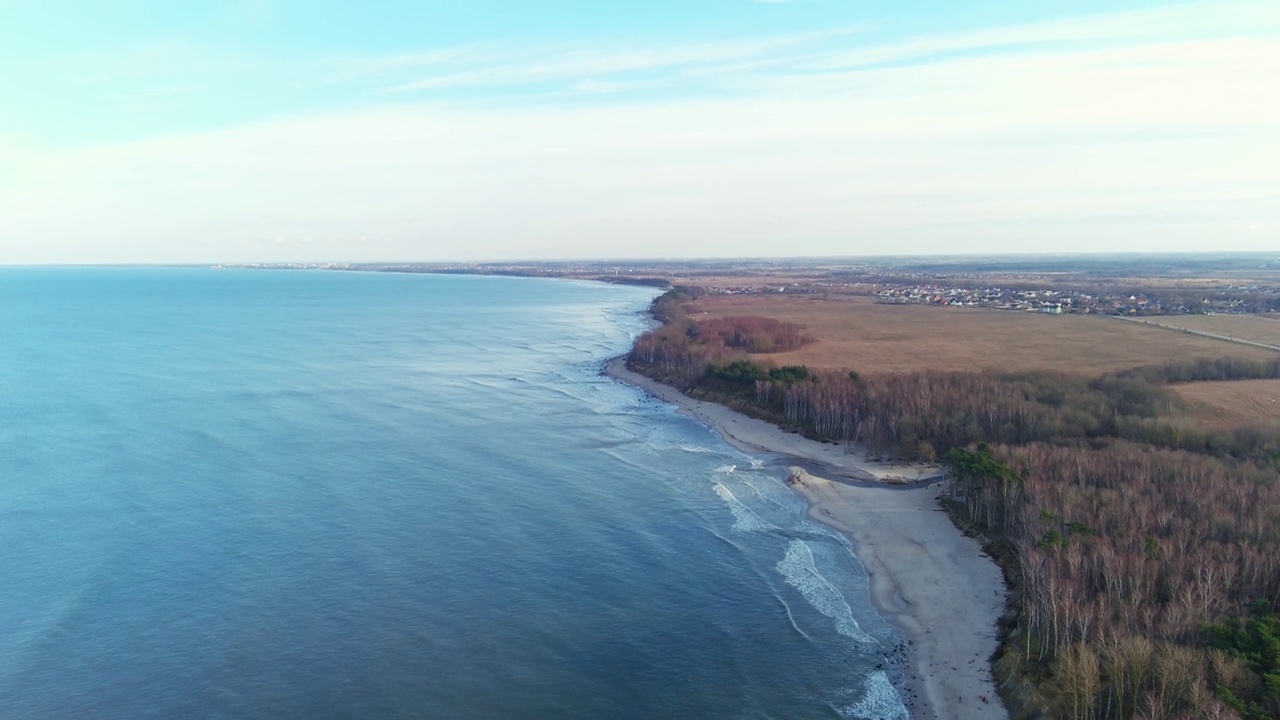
(268, 494)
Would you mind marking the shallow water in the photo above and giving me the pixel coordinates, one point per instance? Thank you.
(238, 494)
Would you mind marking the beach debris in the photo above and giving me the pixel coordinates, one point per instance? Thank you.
(796, 475)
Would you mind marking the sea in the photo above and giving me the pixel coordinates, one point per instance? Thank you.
(252, 493)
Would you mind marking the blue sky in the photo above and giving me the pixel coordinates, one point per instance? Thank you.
(280, 131)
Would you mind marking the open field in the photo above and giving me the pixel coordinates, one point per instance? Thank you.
(1233, 403)
(1250, 328)
(859, 334)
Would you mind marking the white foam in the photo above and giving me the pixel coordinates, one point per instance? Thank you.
(800, 572)
(795, 625)
(744, 519)
(695, 448)
(728, 469)
(880, 702)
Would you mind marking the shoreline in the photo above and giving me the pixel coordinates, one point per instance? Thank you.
(926, 577)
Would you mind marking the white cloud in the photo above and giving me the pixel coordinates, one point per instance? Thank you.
(333, 71)
(534, 66)
(1158, 144)
(1232, 18)
(810, 59)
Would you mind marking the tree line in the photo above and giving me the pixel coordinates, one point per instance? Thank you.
(921, 415)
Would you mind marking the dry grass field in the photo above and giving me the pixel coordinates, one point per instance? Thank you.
(1252, 328)
(859, 334)
(1233, 403)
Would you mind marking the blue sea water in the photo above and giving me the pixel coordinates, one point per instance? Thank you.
(279, 494)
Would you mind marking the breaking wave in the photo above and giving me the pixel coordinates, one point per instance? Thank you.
(800, 572)
(744, 518)
(880, 701)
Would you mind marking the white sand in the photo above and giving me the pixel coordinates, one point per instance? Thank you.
(926, 576)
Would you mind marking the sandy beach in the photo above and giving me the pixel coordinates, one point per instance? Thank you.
(926, 576)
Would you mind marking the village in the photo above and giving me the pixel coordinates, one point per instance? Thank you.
(1228, 300)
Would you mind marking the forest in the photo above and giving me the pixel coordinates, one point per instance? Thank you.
(1139, 546)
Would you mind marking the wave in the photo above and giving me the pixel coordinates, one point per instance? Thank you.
(664, 443)
(606, 443)
(794, 625)
(880, 701)
(744, 518)
(800, 572)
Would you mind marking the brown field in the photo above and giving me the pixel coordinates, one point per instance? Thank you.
(1250, 328)
(1233, 403)
(856, 333)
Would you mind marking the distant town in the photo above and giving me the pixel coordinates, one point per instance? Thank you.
(1057, 302)
(1055, 285)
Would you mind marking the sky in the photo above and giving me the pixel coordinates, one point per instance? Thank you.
(264, 131)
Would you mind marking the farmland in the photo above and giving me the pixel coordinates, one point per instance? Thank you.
(1260, 329)
(1233, 403)
(857, 333)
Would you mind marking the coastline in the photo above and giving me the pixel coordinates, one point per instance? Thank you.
(927, 578)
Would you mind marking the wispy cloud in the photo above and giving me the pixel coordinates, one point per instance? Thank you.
(539, 66)
(1107, 46)
(352, 69)
(1169, 24)
(236, 85)
(1124, 131)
